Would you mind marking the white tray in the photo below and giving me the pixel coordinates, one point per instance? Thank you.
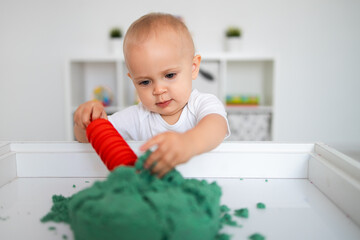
(311, 192)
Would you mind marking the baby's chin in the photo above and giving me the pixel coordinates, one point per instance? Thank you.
(167, 111)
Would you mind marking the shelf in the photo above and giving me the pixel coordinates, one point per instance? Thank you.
(108, 110)
(249, 109)
(224, 56)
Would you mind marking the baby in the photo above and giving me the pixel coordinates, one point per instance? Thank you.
(182, 122)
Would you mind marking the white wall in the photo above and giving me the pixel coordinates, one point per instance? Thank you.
(317, 45)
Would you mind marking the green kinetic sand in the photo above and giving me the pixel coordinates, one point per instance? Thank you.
(261, 205)
(224, 208)
(256, 236)
(226, 219)
(242, 212)
(133, 204)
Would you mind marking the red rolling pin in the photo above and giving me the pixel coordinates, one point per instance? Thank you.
(109, 144)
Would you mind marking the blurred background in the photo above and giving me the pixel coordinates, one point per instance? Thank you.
(299, 61)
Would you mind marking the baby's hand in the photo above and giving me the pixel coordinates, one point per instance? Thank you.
(173, 149)
(88, 112)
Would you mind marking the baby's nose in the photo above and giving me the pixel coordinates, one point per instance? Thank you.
(159, 89)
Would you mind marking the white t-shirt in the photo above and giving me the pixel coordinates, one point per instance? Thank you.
(139, 124)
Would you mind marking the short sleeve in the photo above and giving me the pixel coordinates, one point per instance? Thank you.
(203, 104)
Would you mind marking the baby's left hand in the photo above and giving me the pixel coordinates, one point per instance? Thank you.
(173, 148)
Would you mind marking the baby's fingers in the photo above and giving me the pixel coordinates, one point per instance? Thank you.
(81, 119)
(160, 169)
(98, 112)
(163, 171)
(87, 112)
(103, 115)
(153, 158)
(86, 117)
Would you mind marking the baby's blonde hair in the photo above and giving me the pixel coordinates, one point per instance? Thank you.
(153, 23)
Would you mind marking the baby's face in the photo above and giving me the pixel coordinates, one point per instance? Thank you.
(162, 70)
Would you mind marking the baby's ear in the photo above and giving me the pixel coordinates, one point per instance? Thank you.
(195, 66)
(129, 75)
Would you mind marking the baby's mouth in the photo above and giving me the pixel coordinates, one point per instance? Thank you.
(164, 103)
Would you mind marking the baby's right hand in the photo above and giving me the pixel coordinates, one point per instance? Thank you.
(88, 112)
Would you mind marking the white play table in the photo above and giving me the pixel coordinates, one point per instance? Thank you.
(311, 191)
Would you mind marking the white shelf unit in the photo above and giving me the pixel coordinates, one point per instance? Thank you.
(244, 74)
(230, 73)
(240, 74)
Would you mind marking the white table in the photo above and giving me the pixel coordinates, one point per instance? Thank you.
(311, 192)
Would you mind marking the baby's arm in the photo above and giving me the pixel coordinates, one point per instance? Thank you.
(84, 114)
(176, 148)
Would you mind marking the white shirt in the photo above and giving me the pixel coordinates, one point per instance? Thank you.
(139, 124)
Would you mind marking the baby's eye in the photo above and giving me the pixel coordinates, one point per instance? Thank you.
(170, 75)
(144, 83)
